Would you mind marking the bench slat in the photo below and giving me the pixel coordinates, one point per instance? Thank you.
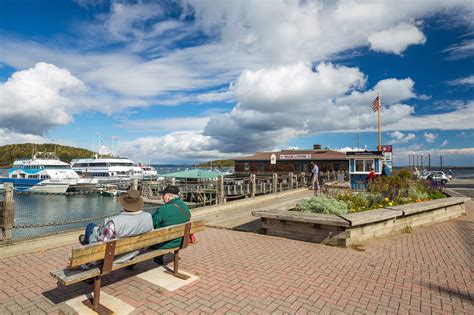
(93, 252)
(71, 276)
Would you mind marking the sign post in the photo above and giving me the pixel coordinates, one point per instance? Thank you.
(273, 159)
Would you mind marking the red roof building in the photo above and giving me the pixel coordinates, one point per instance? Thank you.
(295, 161)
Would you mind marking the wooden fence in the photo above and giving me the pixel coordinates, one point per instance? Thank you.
(236, 186)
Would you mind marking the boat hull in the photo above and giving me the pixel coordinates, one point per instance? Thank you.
(36, 185)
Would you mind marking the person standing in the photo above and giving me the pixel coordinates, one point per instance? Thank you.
(315, 179)
(416, 173)
(174, 211)
(371, 175)
(385, 170)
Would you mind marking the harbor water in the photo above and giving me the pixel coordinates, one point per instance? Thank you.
(45, 214)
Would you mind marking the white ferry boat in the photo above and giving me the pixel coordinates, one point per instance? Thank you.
(43, 173)
(106, 169)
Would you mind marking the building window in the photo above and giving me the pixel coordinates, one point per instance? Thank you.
(261, 166)
(359, 165)
(246, 166)
(363, 166)
(368, 165)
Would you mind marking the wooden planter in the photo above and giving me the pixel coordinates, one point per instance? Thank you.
(357, 228)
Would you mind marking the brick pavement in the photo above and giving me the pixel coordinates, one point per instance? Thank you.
(427, 271)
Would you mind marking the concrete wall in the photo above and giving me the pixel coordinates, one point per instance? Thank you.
(358, 228)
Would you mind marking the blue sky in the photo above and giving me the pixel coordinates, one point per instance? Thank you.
(186, 81)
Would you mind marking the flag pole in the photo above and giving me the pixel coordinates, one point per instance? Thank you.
(380, 137)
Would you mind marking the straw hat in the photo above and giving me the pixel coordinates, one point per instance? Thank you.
(131, 201)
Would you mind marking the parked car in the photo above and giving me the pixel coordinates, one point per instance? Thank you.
(438, 177)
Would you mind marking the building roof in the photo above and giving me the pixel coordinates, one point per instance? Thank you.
(364, 154)
(193, 174)
(296, 155)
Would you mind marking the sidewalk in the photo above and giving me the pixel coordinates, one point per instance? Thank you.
(427, 271)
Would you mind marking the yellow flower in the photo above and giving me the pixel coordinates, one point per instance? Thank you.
(386, 199)
(390, 203)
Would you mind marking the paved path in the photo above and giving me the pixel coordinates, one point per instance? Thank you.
(239, 215)
(427, 271)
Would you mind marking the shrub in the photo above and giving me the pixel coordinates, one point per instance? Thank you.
(436, 194)
(323, 204)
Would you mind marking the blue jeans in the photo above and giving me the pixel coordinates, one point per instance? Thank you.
(89, 229)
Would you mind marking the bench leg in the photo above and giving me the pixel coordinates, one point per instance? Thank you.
(95, 303)
(176, 272)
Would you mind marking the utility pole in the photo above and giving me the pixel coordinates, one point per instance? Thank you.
(441, 162)
(409, 160)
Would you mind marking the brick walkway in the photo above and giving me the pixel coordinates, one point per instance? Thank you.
(427, 271)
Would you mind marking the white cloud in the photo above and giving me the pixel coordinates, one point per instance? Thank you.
(176, 146)
(430, 137)
(35, 100)
(400, 137)
(461, 118)
(168, 124)
(463, 81)
(10, 137)
(463, 50)
(350, 149)
(396, 39)
(295, 85)
(278, 103)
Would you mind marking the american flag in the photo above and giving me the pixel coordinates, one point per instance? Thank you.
(376, 104)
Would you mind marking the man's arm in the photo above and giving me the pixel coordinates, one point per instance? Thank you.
(107, 231)
(158, 218)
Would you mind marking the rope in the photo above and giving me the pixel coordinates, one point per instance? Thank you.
(56, 223)
(29, 226)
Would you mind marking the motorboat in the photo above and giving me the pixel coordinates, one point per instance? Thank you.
(148, 171)
(108, 190)
(44, 172)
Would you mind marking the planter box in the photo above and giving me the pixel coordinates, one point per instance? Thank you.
(357, 228)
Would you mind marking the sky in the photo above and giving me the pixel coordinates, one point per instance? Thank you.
(188, 81)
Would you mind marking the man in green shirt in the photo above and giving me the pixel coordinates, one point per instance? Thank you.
(174, 211)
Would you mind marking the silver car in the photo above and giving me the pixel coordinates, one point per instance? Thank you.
(438, 177)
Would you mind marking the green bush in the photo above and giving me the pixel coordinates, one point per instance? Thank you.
(323, 204)
(436, 194)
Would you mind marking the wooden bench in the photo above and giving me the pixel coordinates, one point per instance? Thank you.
(104, 253)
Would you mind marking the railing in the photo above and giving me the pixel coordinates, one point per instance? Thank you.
(227, 188)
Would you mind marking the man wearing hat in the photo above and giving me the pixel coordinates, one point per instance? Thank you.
(131, 221)
(174, 211)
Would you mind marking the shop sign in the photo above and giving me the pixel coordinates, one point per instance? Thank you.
(295, 157)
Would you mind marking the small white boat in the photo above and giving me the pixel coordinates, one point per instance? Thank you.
(108, 190)
(148, 171)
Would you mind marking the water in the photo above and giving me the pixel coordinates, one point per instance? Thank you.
(165, 169)
(48, 209)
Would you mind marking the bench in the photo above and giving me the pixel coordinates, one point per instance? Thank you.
(104, 253)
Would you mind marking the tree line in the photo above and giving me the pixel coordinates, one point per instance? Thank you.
(11, 152)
